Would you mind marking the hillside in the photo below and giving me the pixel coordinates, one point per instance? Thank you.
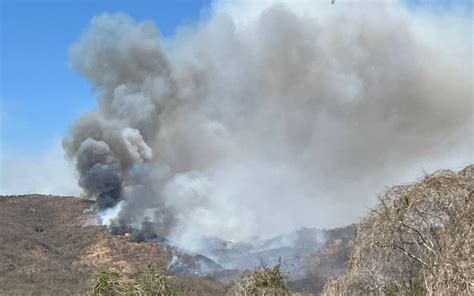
(50, 246)
(53, 245)
(418, 239)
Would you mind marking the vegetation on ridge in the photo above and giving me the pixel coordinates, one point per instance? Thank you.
(417, 241)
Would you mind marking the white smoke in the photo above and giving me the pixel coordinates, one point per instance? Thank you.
(268, 116)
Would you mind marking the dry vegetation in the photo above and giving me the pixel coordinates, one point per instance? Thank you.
(144, 283)
(417, 241)
(263, 281)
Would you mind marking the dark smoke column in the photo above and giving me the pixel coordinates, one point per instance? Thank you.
(99, 173)
(126, 66)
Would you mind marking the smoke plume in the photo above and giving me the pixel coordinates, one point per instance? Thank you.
(267, 116)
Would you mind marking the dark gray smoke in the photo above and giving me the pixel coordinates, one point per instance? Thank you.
(265, 117)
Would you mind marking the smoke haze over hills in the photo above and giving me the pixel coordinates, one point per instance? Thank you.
(256, 124)
(265, 117)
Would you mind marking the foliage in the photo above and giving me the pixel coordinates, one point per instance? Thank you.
(417, 241)
(148, 282)
(106, 284)
(151, 282)
(263, 281)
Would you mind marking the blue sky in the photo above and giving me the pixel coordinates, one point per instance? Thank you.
(40, 95)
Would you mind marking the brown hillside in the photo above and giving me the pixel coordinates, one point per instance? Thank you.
(51, 246)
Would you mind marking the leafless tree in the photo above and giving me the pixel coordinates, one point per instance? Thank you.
(417, 241)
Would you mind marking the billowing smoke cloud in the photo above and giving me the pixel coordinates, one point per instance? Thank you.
(265, 117)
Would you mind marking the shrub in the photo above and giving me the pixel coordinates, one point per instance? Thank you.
(106, 284)
(148, 282)
(263, 281)
(417, 241)
(151, 282)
